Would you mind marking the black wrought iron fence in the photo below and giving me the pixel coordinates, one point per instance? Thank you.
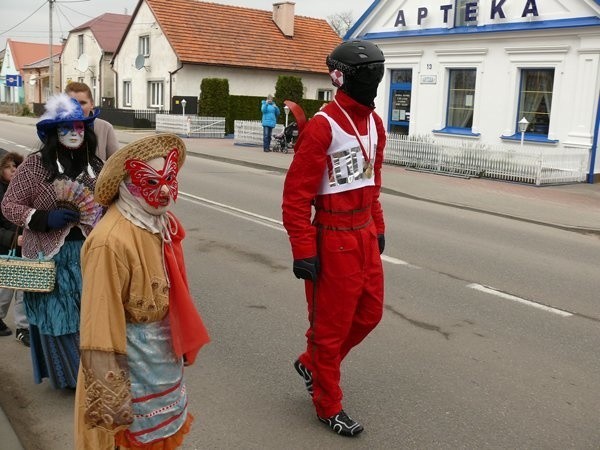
(131, 118)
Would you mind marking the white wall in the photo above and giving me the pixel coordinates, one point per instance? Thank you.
(157, 66)
(574, 54)
(244, 81)
(70, 57)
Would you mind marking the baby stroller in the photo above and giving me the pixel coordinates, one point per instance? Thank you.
(285, 140)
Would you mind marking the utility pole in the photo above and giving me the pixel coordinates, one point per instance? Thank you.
(51, 62)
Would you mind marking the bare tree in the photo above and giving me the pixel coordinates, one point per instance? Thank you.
(341, 22)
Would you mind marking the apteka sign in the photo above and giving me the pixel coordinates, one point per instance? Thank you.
(496, 12)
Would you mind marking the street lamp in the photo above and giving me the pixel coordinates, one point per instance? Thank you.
(286, 110)
(183, 103)
(523, 124)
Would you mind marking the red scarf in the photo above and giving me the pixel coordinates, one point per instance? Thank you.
(188, 332)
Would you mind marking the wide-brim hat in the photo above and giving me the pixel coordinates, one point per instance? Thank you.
(60, 109)
(145, 149)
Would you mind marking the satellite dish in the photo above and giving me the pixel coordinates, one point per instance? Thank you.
(82, 63)
(139, 61)
(33, 80)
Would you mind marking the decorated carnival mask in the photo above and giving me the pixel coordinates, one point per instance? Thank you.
(154, 183)
(71, 135)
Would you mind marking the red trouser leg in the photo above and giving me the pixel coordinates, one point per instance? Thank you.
(370, 305)
(343, 308)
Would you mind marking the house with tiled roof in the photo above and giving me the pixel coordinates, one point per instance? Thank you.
(36, 80)
(171, 45)
(88, 51)
(17, 55)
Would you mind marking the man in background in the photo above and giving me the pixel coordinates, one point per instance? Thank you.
(107, 139)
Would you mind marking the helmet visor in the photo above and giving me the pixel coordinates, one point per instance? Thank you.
(369, 73)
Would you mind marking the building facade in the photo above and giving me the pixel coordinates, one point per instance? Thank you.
(471, 70)
(162, 57)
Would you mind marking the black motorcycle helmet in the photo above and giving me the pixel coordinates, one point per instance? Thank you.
(356, 67)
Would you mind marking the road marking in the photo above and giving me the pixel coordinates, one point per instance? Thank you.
(240, 213)
(397, 261)
(262, 220)
(490, 290)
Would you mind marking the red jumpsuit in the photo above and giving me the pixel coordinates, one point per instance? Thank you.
(346, 302)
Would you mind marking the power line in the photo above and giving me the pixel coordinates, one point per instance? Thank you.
(59, 8)
(12, 28)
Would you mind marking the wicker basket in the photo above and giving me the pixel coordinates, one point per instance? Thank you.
(23, 274)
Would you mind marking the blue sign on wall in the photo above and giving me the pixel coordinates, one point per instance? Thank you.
(14, 80)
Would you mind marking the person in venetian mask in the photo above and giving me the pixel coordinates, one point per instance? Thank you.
(52, 223)
(337, 170)
(139, 325)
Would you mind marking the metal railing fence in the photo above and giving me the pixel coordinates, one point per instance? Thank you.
(250, 132)
(527, 164)
(191, 126)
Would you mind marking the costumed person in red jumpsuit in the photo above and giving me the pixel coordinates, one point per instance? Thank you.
(337, 169)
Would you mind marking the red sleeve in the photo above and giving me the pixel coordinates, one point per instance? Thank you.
(376, 210)
(302, 184)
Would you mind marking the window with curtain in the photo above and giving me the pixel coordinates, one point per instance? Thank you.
(155, 94)
(324, 94)
(465, 12)
(126, 93)
(144, 45)
(461, 98)
(535, 99)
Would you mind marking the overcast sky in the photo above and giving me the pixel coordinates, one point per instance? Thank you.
(69, 14)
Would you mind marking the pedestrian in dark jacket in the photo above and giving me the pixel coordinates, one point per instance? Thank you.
(270, 113)
(8, 167)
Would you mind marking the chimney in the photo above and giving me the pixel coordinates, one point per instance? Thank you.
(283, 16)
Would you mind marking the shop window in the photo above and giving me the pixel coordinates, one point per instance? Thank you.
(461, 98)
(144, 45)
(126, 93)
(535, 99)
(324, 94)
(155, 94)
(465, 12)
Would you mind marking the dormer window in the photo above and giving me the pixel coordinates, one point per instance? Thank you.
(144, 45)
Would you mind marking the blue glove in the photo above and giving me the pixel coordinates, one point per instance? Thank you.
(307, 268)
(59, 218)
(381, 242)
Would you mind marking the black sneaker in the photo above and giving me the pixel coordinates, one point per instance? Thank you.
(4, 330)
(22, 336)
(343, 424)
(306, 376)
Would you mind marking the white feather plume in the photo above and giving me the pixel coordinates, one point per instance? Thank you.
(59, 106)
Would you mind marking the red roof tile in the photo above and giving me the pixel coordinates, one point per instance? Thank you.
(209, 33)
(24, 53)
(108, 29)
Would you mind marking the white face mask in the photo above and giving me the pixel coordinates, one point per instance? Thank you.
(71, 136)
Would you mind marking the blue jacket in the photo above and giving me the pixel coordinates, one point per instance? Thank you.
(270, 113)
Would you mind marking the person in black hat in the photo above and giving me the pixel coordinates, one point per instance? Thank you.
(337, 170)
(51, 199)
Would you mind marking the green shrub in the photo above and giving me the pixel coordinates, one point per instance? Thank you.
(288, 88)
(214, 97)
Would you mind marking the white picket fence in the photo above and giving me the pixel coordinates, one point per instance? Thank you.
(528, 164)
(250, 132)
(191, 126)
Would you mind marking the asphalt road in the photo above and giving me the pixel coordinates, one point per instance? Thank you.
(450, 366)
